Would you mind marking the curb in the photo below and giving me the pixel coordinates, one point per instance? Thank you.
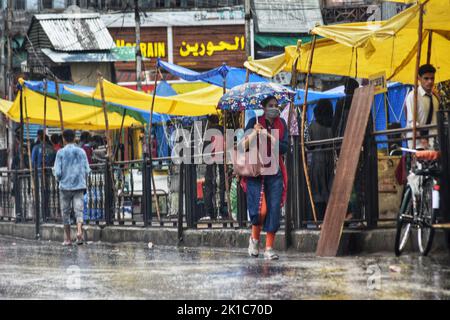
(352, 242)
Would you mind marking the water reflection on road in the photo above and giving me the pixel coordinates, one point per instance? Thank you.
(46, 270)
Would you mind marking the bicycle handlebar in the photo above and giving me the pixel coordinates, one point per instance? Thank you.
(429, 155)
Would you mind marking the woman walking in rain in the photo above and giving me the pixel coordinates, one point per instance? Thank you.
(266, 194)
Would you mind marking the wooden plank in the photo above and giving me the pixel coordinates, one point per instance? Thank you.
(345, 172)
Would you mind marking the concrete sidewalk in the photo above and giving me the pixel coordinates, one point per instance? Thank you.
(352, 242)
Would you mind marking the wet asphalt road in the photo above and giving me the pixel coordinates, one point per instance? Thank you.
(46, 270)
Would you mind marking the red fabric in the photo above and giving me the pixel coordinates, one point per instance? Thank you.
(400, 171)
(200, 184)
(88, 150)
(277, 124)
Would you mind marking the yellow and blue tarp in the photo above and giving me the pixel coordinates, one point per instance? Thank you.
(75, 115)
(196, 103)
(220, 76)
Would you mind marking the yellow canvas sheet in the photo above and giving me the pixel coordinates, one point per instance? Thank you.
(75, 116)
(195, 103)
(366, 48)
(267, 67)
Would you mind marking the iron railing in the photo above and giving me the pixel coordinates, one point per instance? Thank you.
(123, 193)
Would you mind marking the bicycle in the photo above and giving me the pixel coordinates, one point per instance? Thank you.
(420, 203)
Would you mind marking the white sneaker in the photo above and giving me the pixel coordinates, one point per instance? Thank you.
(270, 254)
(253, 248)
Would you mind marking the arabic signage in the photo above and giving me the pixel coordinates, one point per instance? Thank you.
(286, 16)
(196, 47)
(208, 47)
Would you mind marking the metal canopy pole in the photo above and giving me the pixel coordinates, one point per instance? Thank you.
(302, 135)
(416, 74)
(150, 141)
(44, 192)
(58, 98)
(225, 168)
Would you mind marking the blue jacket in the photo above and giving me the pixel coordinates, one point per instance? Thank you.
(71, 168)
(36, 156)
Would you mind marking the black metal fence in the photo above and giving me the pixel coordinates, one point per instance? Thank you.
(124, 193)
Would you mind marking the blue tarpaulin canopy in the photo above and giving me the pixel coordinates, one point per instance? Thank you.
(233, 76)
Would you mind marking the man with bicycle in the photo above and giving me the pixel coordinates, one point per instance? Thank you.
(420, 204)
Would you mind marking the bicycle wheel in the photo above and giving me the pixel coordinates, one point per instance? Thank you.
(404, 222)
(425, 232)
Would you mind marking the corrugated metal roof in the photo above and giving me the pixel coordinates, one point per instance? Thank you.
(76, 32)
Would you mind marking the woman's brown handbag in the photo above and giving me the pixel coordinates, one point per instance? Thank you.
(242, 166)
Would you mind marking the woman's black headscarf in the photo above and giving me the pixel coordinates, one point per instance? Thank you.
(324, 112)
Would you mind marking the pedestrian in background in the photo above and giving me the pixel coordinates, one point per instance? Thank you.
(322, 162)
(42, 143)
(56, 141)
(85, 144)
(214, 171)
(71, 170)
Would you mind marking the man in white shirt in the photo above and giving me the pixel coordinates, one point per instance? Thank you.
(427, 105)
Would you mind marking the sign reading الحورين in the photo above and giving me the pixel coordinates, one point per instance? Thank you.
(201, 49)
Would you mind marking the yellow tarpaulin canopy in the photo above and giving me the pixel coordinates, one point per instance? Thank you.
(195, 103)
(75, 116)
(269, 67)
(367, 48)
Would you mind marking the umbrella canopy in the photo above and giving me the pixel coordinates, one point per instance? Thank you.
(248, 96)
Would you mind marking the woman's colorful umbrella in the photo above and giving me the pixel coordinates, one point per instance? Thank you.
(248, 96)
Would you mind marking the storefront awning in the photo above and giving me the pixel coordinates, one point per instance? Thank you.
(265, 41)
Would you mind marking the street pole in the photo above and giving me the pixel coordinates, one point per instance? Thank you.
(302, 131)
(58, 99)
(248, 37)
(138, 46)
(416, 73)
(8, 82)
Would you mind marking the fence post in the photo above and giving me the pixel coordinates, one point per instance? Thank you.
(17, 197)
(190, 194)
(35, 175)
(45, 197)
(289, 208)
(180, 204)
(302, 192)
(147, 191)
(109, 196)
(242, 207)
(370, 172)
